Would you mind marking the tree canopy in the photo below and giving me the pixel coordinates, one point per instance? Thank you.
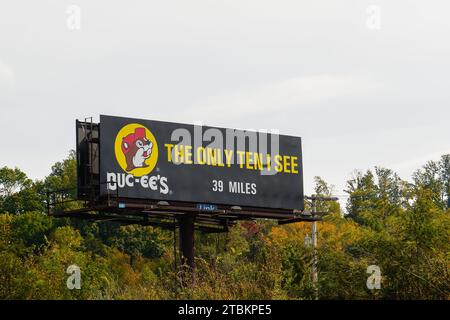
(402, 227)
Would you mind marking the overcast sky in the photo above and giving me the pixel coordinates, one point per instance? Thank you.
(364, 83)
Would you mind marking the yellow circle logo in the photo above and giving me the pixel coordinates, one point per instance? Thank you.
(136, 149)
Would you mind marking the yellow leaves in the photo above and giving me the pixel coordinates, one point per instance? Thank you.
(281, 235)
(5, 227)
(124, 274)
(67, 237)
(334, 234)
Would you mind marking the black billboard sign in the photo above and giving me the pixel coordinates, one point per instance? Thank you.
(146, 159)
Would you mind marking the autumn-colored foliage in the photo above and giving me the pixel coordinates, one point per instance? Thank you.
(401, 227)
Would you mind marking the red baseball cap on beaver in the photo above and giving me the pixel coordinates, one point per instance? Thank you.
(139, 133)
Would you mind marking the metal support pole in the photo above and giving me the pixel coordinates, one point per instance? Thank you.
(314, 270)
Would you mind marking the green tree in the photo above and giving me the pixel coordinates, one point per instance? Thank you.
(136, 240)
(18, 194)
(375, 197)
(435, 176)
(32, 228)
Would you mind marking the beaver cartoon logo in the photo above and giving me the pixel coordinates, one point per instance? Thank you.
(136, 149)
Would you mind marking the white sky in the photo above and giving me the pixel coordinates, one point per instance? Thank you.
(357, 96)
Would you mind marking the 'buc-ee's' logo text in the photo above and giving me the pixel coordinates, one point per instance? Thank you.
(136, 150)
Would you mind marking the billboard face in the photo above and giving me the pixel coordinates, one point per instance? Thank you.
(156, 160)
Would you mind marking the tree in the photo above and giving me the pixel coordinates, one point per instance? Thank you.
(362, 191)
(12, 180)
(32, 228)
(323, 189)
(401, 227)
(138, 240)
(375, 197)
(435, 176)
(445, 176)
(18, 194)
(63, 175)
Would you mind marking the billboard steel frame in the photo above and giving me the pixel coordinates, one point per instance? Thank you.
(184, 216)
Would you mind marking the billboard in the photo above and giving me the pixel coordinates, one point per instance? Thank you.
(155, 160)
